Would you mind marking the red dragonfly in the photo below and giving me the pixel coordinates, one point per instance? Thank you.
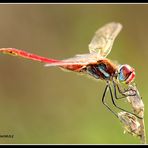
(94, 63)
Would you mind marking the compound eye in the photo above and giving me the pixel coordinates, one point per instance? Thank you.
(126, 74)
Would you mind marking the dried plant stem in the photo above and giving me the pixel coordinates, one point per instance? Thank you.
(143, 134)
(138, 108)
(131, 123)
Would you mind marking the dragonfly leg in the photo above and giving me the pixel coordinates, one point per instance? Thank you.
(116, 86)
(113, 101)
(115, 92)
(103, 101)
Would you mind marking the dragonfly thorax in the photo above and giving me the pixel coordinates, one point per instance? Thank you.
(126, 74)
(103, 69)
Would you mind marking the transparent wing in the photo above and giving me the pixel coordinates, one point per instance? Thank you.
(81, 59)
(103, 39)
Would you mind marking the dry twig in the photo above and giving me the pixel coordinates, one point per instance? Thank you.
(132, 124)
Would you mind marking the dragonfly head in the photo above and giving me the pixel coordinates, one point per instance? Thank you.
(126, 74)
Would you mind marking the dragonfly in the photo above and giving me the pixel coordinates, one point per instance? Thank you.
(95, 64)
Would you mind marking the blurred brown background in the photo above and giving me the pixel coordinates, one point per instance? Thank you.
(47, 105)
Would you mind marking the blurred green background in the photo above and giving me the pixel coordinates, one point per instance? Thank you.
(47, 105)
